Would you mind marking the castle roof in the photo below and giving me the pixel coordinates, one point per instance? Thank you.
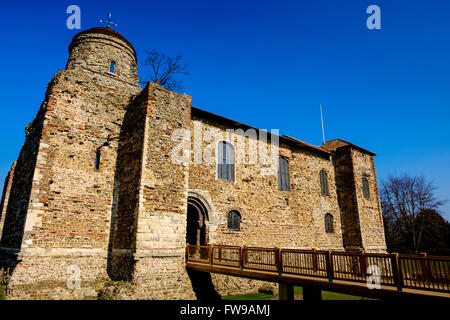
(332, 145)
(237, 124)
(105, 31)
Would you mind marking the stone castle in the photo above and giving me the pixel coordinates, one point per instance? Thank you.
(96, 187)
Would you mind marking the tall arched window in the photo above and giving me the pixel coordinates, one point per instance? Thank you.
(283, 174)
(329, 223)
(365, 186)
(225, 161)
(234, 220)
(324, 183)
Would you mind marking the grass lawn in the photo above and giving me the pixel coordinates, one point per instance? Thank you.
(298, 291)
(2, 294)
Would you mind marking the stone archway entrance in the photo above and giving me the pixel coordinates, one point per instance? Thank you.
(197, 233)
(196, 228)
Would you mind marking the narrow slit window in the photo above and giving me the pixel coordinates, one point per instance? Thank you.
(97, 159)
(324, 183)
(283, 174)
(225, 161)
(112, 67)
(365, 185)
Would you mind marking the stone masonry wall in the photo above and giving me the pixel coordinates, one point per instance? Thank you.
(71, 201)
(24, 180)
(347, 199)
(128, 180)
(99, 187)
(270, 217)
(5, 196)
(161, 225)
(370, 216)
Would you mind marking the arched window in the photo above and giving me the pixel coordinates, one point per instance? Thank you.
(225, 161)
(234, 220)
(324, 183)
(283, 174)
(365, 186)
(112, 67)
(329, 224)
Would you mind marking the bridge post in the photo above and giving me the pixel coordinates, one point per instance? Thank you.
(186, 253)
(397, 271)
(425, 266)
(286, 291)
(363, 263)
(211, 255)
(330, 267)
(278, 260)
(312, 294)
(241, 258)
(314, 257)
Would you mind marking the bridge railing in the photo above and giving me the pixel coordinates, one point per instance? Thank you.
(425, 272)
(403, 271)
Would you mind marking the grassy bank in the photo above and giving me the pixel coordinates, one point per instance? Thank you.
(2, 293)
(298, 292)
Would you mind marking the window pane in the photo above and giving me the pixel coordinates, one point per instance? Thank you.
(283, 174)
(225, 161)
(112, 67)
(286, 173)
(366, 191)
(329, 223)
(322, 188)
(324, 182)
(280, 186)
(235, 221)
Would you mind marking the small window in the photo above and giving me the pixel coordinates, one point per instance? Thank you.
(329, 224)
(365, 186)
(225, 161)
(112, 67)
(97, 160)
(234, 220)
(324, 183)
(283, 174)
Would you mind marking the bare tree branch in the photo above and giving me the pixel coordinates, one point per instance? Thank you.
(405, 201)
(165, 69)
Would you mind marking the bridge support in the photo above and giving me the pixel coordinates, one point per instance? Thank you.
(286, 291)
(312, 294)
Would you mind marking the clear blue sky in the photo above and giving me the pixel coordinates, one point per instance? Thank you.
(269, 64)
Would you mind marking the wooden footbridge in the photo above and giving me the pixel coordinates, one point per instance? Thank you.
(398, 275)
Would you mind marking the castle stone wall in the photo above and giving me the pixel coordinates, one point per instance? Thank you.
(270, 217)
(102, 182)
(5, 196)
(370, 217)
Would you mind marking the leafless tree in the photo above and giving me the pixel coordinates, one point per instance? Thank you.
(406, 200)
(165, 69)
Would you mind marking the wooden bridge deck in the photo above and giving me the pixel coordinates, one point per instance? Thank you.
(398, 279)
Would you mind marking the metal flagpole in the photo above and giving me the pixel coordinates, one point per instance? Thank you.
(321, 118)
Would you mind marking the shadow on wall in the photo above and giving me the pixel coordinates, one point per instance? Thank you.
(203, 286)
(16, 211)
(122, 236)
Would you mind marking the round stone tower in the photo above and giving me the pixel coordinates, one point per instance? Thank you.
(104, 51)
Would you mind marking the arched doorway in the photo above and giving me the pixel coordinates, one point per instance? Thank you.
(197, 234)
(196, 227)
